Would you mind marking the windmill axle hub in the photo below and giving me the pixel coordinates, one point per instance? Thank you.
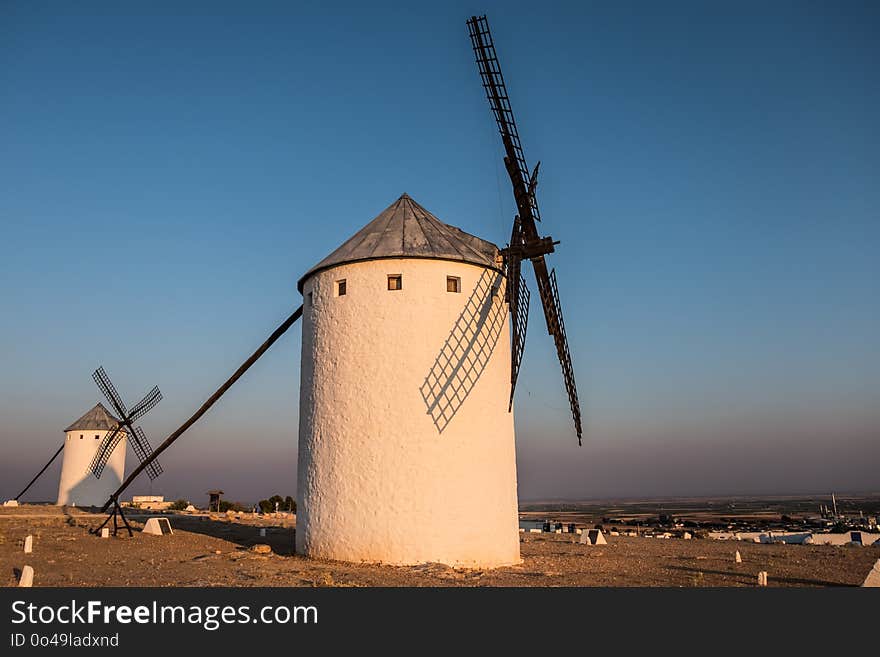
(542, 246)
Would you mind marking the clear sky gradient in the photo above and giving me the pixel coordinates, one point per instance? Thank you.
(169, 170)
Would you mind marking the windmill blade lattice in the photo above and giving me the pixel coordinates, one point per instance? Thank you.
(519, 316)
(105, 449)
(146, 404)
(142, 448)
(109, 390)
(496, 92)
(564, 355)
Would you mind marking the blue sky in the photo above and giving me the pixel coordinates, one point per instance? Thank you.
(167, 173)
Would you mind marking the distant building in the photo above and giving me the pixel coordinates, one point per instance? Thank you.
(153, 502)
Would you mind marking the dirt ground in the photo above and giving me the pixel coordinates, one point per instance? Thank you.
(206, 551)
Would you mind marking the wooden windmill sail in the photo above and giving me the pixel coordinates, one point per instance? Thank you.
(526, 242)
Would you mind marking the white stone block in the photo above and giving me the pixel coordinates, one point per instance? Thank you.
(105, 532)
(28, 544)
(738, 557)
(873, 578)
(27, 577)
(157, 527)
(190, 508)
(593, 537)
(534, 531)
(687, 536)
(762, 578)
(10, 503)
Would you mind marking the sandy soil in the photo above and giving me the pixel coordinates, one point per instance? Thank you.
(217, 551)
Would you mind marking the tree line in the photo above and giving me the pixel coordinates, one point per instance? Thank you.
(287, 504)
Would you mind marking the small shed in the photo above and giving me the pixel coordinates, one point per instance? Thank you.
(214, 500)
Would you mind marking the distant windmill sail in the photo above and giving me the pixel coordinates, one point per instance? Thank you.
(124, 427)
(142, 448)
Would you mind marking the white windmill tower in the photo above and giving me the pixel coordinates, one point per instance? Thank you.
(406, 445)
(82, 441)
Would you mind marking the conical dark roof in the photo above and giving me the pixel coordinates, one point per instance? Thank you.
(97, 418)
(407, 230)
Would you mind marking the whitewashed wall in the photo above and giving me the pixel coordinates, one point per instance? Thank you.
(377, 479)
(77, 485)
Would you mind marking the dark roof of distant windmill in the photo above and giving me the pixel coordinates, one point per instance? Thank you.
(97, 418)
(407, 230)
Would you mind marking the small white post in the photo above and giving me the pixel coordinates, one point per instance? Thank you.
(27, 577)
(105, 532)
(738, 558)
(762, 578)
(28, 544)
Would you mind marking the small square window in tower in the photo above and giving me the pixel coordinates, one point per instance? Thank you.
(395, 282)
(453, 284)
(340, 288)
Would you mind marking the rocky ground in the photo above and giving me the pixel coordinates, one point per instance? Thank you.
(220, 551)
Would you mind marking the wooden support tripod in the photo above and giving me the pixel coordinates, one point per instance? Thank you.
(117, 510)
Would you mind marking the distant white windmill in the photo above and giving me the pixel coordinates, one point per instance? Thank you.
(83, 440)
